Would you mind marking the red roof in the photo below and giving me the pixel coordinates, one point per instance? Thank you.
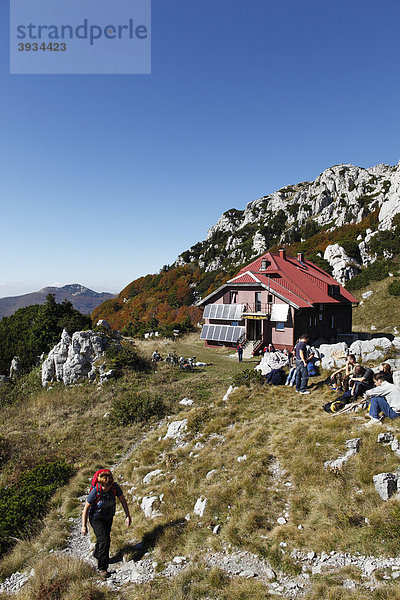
(299, 281)
(246, 278)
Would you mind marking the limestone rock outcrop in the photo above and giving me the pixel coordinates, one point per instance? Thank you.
(353, 447)
(333, 355)
(72, 359)
(386, 484)
(343, 266)
(340, 195)
(370, 350)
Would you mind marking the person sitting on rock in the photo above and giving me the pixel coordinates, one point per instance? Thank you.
(156, 356)
(387, 370)
(385, 398)
(361, 381)
(340, 378)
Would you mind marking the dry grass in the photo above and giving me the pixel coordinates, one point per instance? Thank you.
(381, 309)
(61, 577)
(330, 587)
(196, 583)
(286, 439)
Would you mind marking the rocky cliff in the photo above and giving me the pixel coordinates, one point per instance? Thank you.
(361, 202)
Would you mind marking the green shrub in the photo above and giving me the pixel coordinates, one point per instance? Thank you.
(377, 271)
(293, 209)
(394, 288)
(248, 377)
(26, 501)
(320, 262)
(385, 242)
(310, 228)
(136, 407)
(350, 246)
(127, 358)
(22, 388)
(358, 282)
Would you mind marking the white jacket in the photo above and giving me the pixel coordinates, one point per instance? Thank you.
(389, 391)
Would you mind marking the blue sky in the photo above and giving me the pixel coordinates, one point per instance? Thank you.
(107, 178)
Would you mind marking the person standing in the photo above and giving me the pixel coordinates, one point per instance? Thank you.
(240, 352)
(302, 356)
(100, 508)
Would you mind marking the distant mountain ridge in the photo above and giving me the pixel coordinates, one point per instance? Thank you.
(82, 298)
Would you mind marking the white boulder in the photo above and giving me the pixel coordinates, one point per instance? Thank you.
(200, 507)
(394, 363)
(71, 360)
(353, 446)
(176, 429)
(186, 402)
(150, 506)
(385, 484)
(396, 343)
(259, 243)
(228, 393)
(391, 205)
(333, 355)
(272, 360)
(343, 266)
(152, 475)
(15, 367)
(370, 350)
(368, 294)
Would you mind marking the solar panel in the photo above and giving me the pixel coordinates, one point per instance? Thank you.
(224, 312)
(221, 333)
(230, 335)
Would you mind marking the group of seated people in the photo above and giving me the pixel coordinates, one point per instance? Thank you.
(356, 381)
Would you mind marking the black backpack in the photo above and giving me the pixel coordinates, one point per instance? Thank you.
(336, 405)
(276, 377)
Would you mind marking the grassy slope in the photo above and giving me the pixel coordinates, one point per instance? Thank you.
(381, 309)
(271, 425)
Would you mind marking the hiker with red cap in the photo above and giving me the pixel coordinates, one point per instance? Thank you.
(100, 508)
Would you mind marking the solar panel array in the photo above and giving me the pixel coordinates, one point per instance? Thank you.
(221, 333)
(226, 312)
